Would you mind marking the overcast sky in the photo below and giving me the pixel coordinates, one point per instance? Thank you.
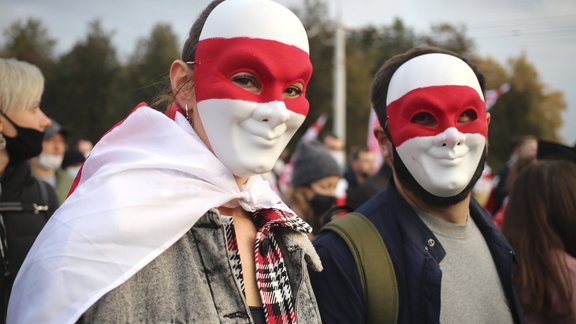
(545, 30)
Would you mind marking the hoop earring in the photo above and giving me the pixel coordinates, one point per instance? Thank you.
(190, 120)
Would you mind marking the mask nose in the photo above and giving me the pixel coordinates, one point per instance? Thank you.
(274, 113)
(450, 138)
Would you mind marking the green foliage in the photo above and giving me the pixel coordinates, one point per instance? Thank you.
(88, 89)
(149, 65)
(528, 108)
(29, 41)
(80, 94)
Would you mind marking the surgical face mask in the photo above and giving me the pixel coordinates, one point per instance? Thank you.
(27, 143)
(49, 161)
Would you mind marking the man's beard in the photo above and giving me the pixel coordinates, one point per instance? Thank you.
(409, 183)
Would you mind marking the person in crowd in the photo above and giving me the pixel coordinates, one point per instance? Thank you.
(540, 225)
(517, 167)
(335, 146)
(72, 161)
(355, 197)
(360, 166)
(84, 146)
(525, 146)
(450, 263)
(26, 203)
(47, 166)
(170, 220)
(314, 180)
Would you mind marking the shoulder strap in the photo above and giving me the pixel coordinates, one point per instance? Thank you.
(374, 265)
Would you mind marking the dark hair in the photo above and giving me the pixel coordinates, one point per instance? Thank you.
(166, 96)
(382, 78)
(189, 48)
(519, 140)
(539, 223)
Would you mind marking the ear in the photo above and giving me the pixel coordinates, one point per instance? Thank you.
(380, 134)
(180, 75)
(385, 144)
(488, 118)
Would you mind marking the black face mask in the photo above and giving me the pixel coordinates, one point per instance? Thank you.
(27, 143)
(321, 203)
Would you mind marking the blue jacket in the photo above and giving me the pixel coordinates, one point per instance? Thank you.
(416, 263)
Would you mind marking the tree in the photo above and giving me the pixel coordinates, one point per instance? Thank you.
(29, 41)
(86, 80)
(450, 37)
(147, 69)
(528, 108)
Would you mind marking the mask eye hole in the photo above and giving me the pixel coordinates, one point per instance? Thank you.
(247, 81)
(468, 116)
(424, 119)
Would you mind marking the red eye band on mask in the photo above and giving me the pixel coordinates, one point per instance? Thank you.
(275, 65)
(445, 104)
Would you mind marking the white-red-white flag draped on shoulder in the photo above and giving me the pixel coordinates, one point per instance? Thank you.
(134, 199)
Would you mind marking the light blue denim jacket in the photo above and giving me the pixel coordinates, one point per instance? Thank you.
(193, 282)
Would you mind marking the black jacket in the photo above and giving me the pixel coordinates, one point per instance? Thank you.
(26, 203)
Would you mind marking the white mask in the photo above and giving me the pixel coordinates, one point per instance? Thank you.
(240, 138)
(443, 164)
(50, 162)
(437, 121)
(250, 79)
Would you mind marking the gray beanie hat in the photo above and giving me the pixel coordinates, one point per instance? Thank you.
(312, 162)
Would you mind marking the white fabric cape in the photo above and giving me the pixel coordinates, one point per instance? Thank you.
(145, 184)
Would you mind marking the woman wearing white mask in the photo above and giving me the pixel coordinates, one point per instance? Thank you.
(171, 220)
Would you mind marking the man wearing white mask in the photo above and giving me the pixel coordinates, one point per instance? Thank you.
(448, 261)
(46, 166)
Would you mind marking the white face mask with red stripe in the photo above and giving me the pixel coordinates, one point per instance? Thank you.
(437, 121)
(250, 79)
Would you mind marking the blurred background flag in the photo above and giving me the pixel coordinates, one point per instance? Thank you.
(492, 95)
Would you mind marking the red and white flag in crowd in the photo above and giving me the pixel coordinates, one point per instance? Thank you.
(372, 142)
(492, 95)
(314, 129)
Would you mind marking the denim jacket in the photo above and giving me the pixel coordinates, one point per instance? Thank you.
(193, 282)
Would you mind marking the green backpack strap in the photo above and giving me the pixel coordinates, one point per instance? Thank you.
(374, 265)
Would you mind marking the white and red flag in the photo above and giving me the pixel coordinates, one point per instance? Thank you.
(315, 129)
(492, 95)
(133, 199)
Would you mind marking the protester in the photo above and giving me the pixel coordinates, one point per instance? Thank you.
(314, 180)
(540, 225)
(360, 167)
(522, 147)
(450, 263)
(171, 221)
(335, 146)
(26, 203)
(72, 161)
(516, 168)
(47, 166)
(373, 184)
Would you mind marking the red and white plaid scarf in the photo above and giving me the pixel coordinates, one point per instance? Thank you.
(271, 274)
